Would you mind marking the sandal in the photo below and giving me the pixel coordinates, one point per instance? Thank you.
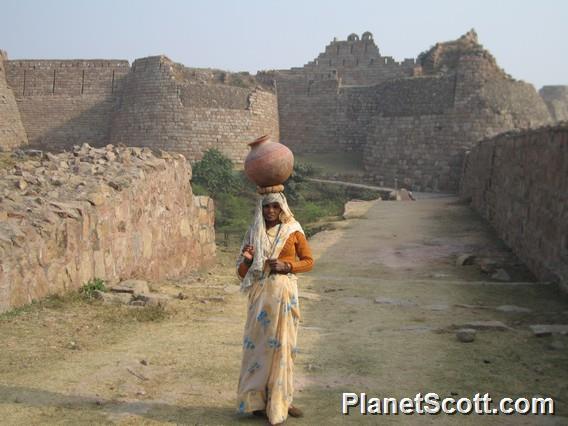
(295, 412)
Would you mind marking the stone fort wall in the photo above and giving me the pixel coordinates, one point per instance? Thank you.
(422, 146)
(68, 102)
(412, 123)
(162, 107)
(518, 181)
(12, 132)
(155, 103)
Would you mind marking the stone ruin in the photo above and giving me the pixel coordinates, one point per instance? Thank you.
(156, 103)
(104, 210)
(411, 121)
(518, 182)
(112, 213)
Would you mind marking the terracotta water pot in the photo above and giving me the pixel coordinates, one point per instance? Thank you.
(268, 163)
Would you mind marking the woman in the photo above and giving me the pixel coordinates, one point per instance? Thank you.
(273, 251)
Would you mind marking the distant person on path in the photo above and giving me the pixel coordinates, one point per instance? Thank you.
(273, 251)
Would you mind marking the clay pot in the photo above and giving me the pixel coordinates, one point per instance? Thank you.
(268, 163)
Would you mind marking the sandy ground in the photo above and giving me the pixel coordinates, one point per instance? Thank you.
(71, 362)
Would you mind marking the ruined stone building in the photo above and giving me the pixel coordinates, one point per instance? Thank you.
(55, 104)
(115, 212)
(413, 120)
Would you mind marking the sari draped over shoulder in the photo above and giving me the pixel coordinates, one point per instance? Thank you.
(269, 341)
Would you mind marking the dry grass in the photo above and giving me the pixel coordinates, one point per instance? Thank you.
(6, 160)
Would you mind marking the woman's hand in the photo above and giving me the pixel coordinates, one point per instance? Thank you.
(248, 252)
(279, 266)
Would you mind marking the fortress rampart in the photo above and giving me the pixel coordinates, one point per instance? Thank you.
(163, 106)
(63, 103)
(155, 103)
(518, 182)
(413, 120)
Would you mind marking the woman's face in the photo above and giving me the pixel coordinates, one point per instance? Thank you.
(271, 212)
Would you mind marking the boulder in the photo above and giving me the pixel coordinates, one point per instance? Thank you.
(486, 325)
(466, 335)
(113, 298)
(540, 330)
(134, 287)
(501, 275)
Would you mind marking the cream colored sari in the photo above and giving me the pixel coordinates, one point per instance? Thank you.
(269, 343)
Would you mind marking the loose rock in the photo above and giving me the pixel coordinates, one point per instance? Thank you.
(487, 325)
(466, 335)
(501, 275)
(540, 330)
(512, 309)
(113, 298)
(465, 259)
(131, 286)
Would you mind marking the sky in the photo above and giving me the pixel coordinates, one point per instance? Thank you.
(528, 38)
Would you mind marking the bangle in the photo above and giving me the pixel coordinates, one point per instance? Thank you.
(289, 265)
(247, 261)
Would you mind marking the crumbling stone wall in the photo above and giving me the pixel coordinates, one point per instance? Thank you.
(424, 150)
(413, 125)
(556, 98)
(163, 108)
(356, 61)
(518, 181)
(64, 102)
(155, 103)
(314, 100)
(112, 213)
(12, 133)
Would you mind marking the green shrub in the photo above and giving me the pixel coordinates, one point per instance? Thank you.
(214, 173)
(302, 171)
(199, 189)
(233, 212)
(235, 195)
(309, 212)
(88, 290)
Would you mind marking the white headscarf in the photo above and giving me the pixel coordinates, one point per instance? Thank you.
(256, 236)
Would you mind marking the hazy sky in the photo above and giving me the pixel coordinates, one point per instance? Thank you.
(528, 38)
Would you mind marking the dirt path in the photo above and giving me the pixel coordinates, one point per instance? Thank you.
(128, 369)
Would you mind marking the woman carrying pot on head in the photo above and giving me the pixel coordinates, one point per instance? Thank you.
(273, 251)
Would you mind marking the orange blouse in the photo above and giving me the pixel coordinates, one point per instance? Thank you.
(296, 252)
